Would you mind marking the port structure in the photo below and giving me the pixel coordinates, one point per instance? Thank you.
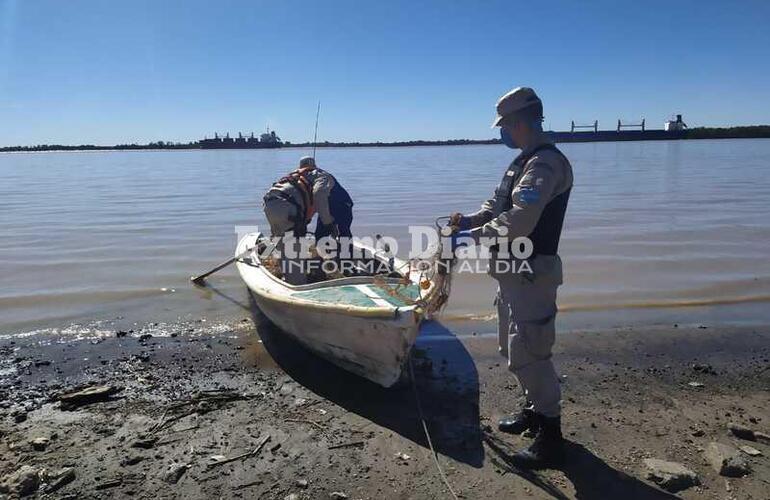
(674, 129)
(595, 126)
(622, 125)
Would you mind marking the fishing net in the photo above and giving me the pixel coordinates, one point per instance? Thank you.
(273, 265)
(435, 279)
(396, 290)
(438, 278)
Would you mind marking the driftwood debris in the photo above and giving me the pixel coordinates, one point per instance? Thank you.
(304, 421)
(255, 451)
(347, 445)
(199, 403)
(87, 395)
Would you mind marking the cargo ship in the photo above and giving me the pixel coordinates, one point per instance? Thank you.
(673, 129)
(268, 140)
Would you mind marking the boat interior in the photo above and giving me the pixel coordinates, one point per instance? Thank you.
(367, 266)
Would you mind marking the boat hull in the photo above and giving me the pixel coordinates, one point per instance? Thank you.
(376, 349)
(372, 342)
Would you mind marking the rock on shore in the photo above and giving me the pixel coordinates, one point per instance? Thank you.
(670, 476)
(726, 460)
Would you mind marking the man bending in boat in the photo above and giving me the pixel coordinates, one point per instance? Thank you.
(292, 201)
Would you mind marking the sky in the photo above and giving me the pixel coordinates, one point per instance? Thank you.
(108, 72)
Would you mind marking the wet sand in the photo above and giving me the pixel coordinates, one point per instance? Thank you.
(289, 423)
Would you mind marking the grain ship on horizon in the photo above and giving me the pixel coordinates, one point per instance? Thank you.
(268, 140)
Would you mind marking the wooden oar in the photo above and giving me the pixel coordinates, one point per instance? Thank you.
(200, 280)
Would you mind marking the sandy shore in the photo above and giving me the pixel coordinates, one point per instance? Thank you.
(241, 414)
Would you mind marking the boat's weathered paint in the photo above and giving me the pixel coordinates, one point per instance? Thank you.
(371, 338)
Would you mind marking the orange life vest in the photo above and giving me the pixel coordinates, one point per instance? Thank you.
(298, 179)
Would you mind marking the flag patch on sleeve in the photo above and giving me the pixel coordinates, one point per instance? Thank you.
(528, 195)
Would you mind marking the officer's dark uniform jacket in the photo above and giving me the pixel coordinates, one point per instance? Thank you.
(531, 200)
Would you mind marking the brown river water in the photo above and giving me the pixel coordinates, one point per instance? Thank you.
(656, 232)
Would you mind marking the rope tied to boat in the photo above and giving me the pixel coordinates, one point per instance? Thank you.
(441, 272)
(427, 433)
(434, 302)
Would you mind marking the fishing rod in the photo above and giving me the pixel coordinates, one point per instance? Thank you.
(315, 133)
(201, 279)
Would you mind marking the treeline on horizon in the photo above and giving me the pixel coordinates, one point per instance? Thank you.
(743, 132)
(450, 142)
(195, 145)
(92, 147)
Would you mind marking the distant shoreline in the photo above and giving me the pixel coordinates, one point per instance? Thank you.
(746, 132)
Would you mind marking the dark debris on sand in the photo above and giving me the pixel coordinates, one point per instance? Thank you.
(241, 415)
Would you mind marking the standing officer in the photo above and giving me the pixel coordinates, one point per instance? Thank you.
(530, 201)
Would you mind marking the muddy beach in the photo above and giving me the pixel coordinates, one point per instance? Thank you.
(247, 413)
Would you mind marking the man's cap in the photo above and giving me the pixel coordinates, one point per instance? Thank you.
(515, 100)
(307, 161)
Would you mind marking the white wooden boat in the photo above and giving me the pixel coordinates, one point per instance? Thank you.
(362, 324)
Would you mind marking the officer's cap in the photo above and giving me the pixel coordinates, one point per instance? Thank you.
(516, 100)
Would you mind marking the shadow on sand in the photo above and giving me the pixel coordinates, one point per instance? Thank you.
(590, 475)
(447, 383)
(445, 377)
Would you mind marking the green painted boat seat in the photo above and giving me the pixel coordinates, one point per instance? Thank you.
(363, 295)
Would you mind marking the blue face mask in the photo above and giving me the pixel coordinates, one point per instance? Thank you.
(507, 139)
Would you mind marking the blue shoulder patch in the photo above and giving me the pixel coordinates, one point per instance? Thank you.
(528, 195)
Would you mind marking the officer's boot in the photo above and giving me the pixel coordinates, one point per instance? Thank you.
(548, 448)
(516, 424)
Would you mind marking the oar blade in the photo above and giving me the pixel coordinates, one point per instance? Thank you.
(198, 280)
